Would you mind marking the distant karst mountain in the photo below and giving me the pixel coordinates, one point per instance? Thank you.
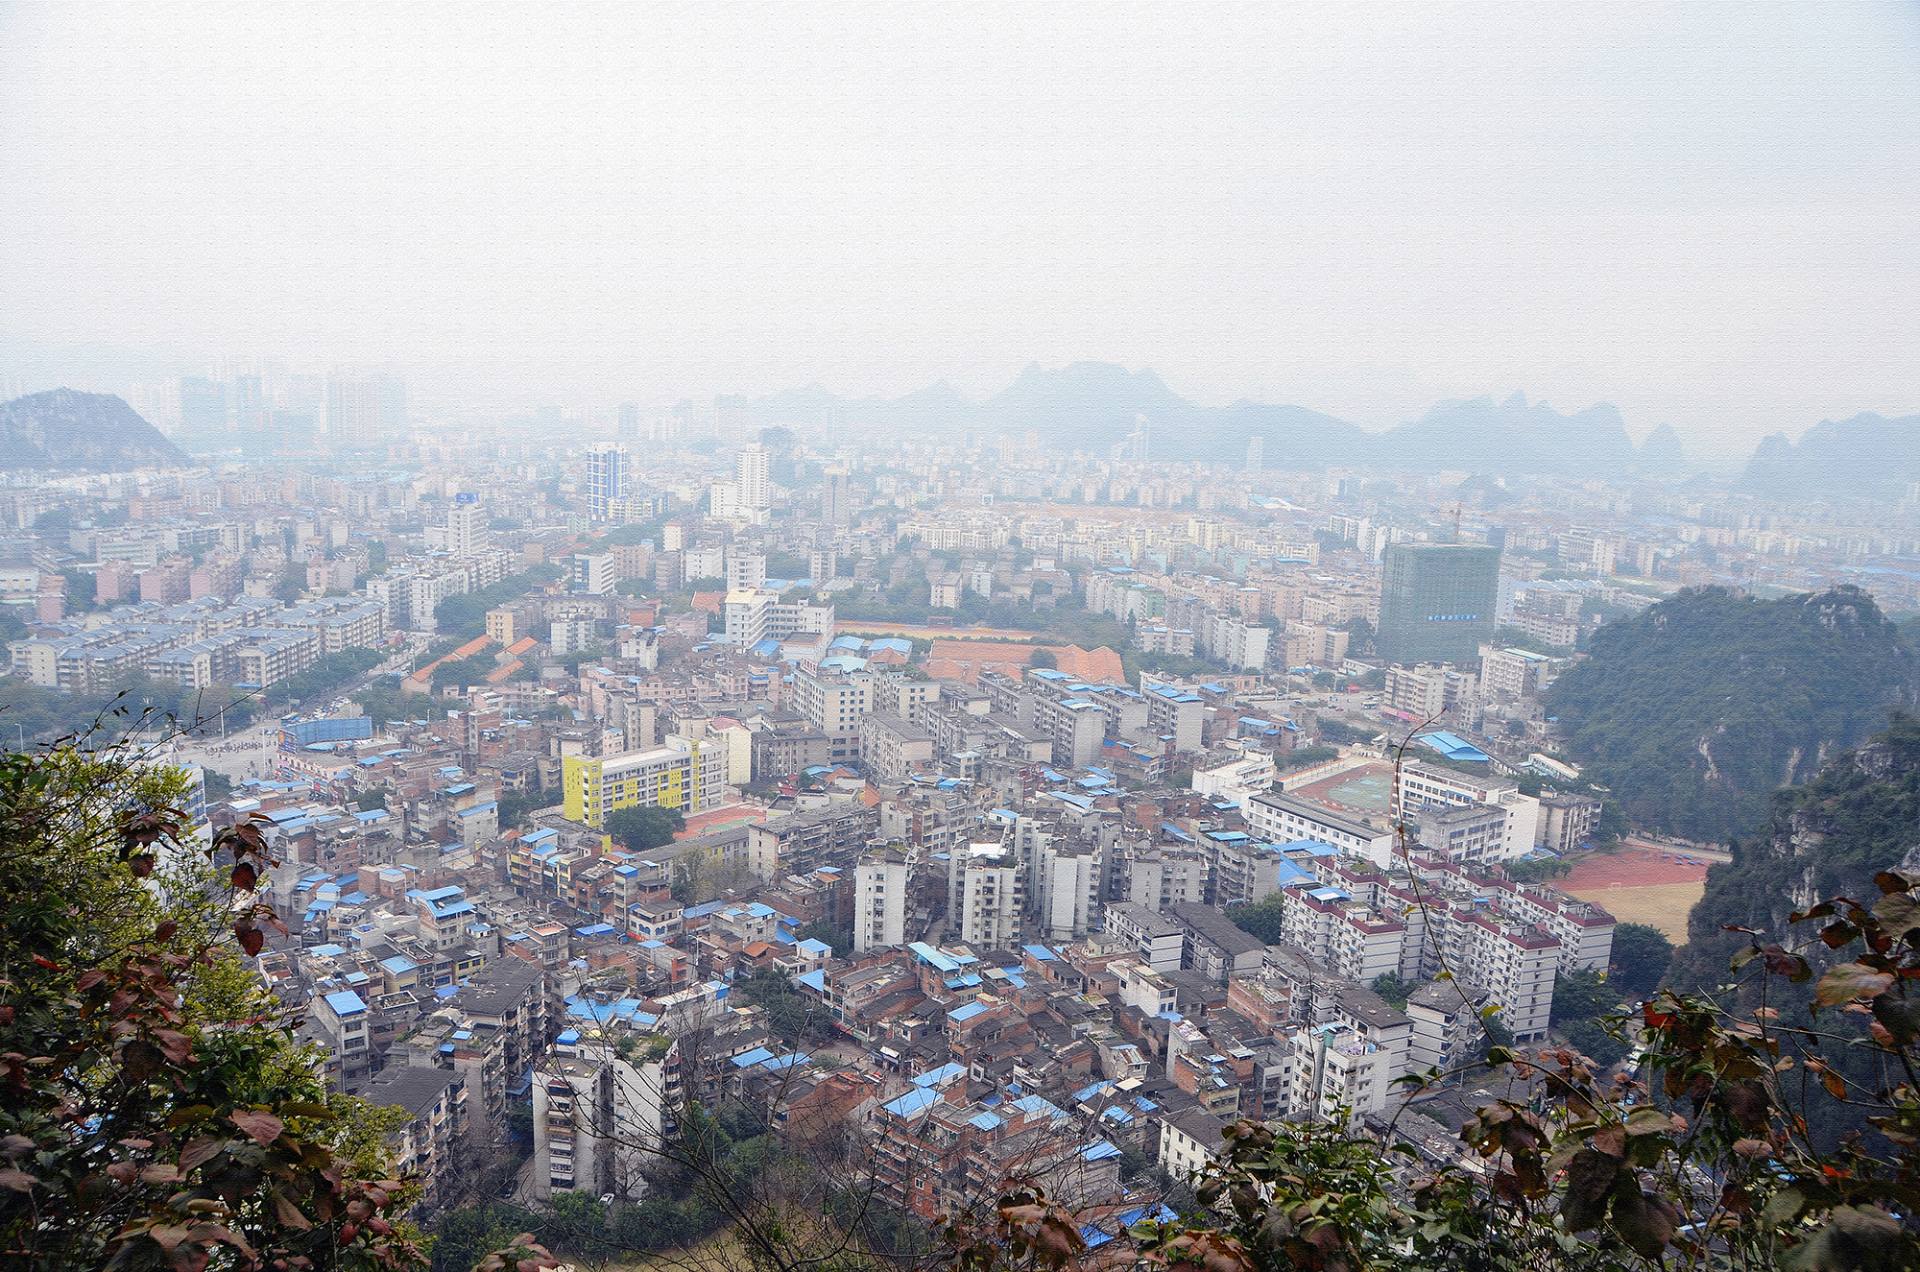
(1661, 451)
(67, 429)
(1091, 406)
(1869, 456)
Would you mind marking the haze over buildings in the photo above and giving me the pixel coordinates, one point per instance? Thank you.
(1282, 204)
(962, 596)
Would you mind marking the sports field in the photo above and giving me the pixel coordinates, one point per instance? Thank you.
(1642, 885)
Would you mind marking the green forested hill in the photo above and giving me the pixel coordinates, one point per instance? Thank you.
(1695, 711)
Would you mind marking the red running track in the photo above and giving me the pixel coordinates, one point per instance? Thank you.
(1633, 867)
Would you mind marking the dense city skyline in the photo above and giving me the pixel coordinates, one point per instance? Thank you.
(960, 638)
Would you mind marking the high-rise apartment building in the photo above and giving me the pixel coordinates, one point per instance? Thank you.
(466, 526)
(834, 704)
(880, 883)
(597, 1122)
(991, 896)
(594, 573)
(836, 497)
(365, 410)
(1239, 644)
(1437, 601)
(203, 408)
(609, 481)
(750, 474)
(746, 570)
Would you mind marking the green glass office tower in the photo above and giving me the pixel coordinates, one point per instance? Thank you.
(1437, 601)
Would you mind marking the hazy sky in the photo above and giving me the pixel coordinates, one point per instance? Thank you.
(1709, 215)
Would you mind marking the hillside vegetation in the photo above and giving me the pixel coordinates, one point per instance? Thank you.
(1695, 711)
(1834, 836)
(1830, 837)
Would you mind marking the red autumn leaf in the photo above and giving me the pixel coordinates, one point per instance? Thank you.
(244, 877)
(289, 1214)
(262, 1126)
(175, 1045)
(200, 1151)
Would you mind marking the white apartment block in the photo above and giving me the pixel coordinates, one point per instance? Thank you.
(834, 705)
(1335, 1068)
(1240, 645)
(594, 573)
(1430, 691)
(1153, 936)
(1281, 818)
(1235, 774)
(751, 615)
(597, 1122)
(992, 896)
(1067, 890)
(1513, 963)
(1512, 674)
(1423, 785)
(880, 884)
(1160, 879)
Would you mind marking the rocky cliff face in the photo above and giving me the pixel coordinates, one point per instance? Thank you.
(1861, 815)
(95, 432)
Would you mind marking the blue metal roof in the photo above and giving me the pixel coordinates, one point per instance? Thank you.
(1286, 872)
(346, 1003)
(780, 1064)
(939, 960)
(936, 1078)
(1038, 1106)
(913, 1103)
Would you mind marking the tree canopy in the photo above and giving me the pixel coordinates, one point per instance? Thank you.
(159, 1111)
(1640, 957)
(646, 826)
